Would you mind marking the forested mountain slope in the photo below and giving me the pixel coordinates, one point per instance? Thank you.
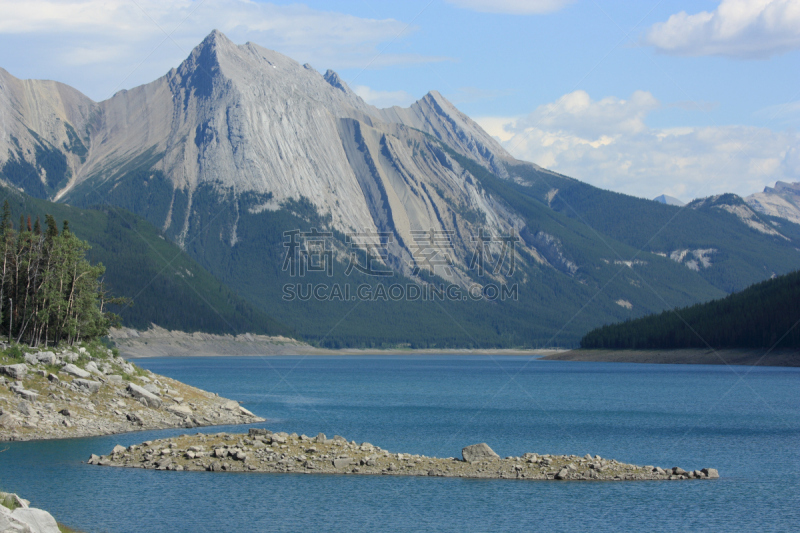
(766, 315)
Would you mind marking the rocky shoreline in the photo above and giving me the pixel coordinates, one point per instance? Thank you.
(260, 450)
(81, 393)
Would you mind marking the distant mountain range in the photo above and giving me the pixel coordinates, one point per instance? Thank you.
(668, 200)
(239, 145)
(782, 201)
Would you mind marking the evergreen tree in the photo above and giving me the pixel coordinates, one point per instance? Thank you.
(57, 294)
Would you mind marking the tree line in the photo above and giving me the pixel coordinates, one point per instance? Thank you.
(764, 315)
(49, 292)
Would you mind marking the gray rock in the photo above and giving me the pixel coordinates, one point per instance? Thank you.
(25, 408)
(342, 462)
(114, 378)
(678, 471)
(91, 386)
(73, 370)
(478, 452)
(93, 459)
(53, 378)
(70, 357)
(31, 359)
(91, 366)
(258, 431)
(150, 399)
(38, 520)
(8, 421)
(47, 358)
(711, 473)
(321, 438)
(17, 371)
(29, 395)
(118, 449)
(153, 389)
(245, 412)
(562, 474)
(183, 411)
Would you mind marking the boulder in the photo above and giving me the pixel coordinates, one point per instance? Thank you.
(341, 463)
(70, 357)
(114, 378)
(321, 438)
(65, 412)
(118, 449)
(92, 367)
(258, 431)
(245, 412)
(47, 358)
(38, 520)
(53, 378)
(678, 471)
(478, 452)
(17, 371)
(25, 394)
(182, 411)
(31, 359)
(562, 474)
(25, 408)
(91, 386)
(711, 473)
(93, 459)
(73, 370)
(8, 421)
(151, 388)
(150, 399)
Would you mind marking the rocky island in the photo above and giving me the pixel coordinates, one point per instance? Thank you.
(260, 450)
(90, 390)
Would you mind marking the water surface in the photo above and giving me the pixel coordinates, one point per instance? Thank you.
(744, 422)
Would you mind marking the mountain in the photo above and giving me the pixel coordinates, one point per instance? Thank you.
(239, 145)
(764, 315)
(669, 200)
(781, 201)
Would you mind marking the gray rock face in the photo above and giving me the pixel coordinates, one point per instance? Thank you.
(478, 452)
(150, 399)
(73, 370)
(17, 371)
(262, 123)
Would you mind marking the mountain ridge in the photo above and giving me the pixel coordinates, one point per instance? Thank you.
(239, 144)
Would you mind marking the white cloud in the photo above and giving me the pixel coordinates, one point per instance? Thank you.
(745, 29)
(607, 143)
(108, 38)
(518, 7)
(384, 98)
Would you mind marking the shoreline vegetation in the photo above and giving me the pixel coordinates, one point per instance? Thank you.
(261, 450)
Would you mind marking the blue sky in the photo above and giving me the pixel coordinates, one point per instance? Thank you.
(677, 97)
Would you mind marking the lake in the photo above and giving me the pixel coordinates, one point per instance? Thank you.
(744, 422)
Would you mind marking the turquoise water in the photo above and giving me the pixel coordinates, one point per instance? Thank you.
(747, 426)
